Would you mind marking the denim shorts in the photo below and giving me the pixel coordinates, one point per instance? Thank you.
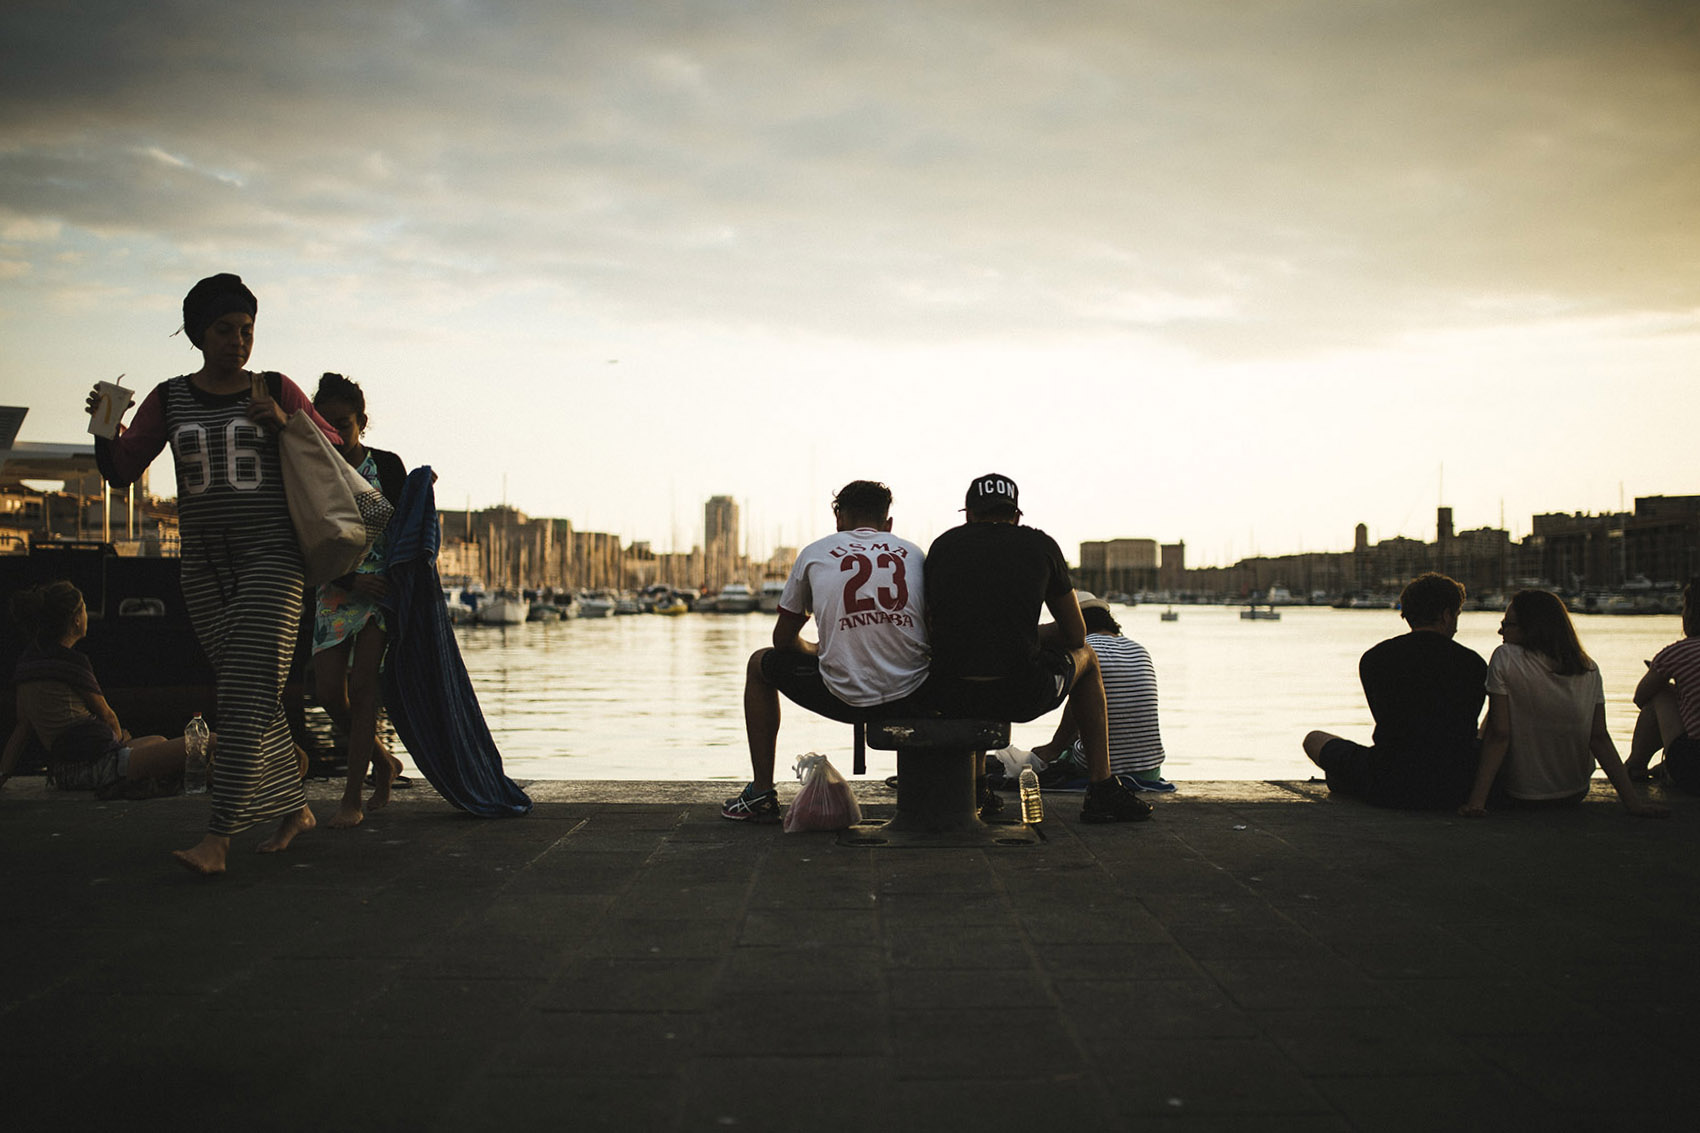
(86, 758)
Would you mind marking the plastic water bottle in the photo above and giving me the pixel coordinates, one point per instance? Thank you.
(195, 756)
(1032, 803)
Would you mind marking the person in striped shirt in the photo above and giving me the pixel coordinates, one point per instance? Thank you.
(1669, 698)
(1130, 691)
(242, 573)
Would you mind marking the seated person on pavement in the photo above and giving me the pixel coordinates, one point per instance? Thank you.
(1130, 692)
(1546, 722)
(864, 587)
(63, 705)
(1669, 698)
(1425, 692)
(987, 581)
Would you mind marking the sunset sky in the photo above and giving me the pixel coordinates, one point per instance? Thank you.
(1239, 273)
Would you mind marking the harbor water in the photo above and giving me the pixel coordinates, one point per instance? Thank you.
(646, 697)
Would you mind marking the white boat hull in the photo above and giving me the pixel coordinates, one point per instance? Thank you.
(735, 598)
(504, 611)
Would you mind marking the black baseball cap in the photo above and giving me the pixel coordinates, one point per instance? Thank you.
(991, 490)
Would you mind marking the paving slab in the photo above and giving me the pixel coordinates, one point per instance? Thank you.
(1258, 956)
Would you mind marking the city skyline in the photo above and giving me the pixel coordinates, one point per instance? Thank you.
(1442, 520)
(1242, 277)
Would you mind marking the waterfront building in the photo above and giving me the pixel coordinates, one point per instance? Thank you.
(1118, 566)
(1654, 548)
(54, 493)
(1658, 543)
(501, 546)
(678, 569)
(720, 543)
(1171, 567)
(778, 564)
(1483, 559)
(646, 567)
(1662, 541)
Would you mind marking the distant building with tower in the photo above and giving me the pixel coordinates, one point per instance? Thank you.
(721, 557)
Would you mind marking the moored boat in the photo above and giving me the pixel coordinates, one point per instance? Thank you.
(505, 608)
(735, 598)
(459, 612)
(594, 604)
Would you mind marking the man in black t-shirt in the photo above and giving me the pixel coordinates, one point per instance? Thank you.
(1425, 692)
(987, 582)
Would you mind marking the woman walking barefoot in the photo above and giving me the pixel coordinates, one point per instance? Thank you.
(349, 630)
(241, 565)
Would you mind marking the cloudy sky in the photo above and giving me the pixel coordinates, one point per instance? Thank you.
(1239, 273)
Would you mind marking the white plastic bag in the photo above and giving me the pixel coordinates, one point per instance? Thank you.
(1014, 759)
(825, 802)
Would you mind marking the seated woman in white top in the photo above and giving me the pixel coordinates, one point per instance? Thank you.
(1546, 721)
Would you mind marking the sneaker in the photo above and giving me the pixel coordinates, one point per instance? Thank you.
(988, 800)
(1110, 801)
(1157, 785)
(747, 806)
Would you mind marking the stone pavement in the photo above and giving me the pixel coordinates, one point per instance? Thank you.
(1257, 957)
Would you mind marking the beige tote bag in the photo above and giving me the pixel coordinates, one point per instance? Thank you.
(337, 514)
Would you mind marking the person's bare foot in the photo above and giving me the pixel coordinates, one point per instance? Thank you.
(207, 858)
(383, 774)
(348, 815)
(291, 825)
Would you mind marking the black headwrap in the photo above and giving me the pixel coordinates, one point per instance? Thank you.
(214, 296)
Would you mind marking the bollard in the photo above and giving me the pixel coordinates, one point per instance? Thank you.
(937, 763)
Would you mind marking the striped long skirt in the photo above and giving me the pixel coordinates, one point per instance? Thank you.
(244, 589)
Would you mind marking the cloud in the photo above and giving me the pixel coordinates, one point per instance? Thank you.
(1250, 179)
(23, 229)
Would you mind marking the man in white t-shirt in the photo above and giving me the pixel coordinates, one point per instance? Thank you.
(863, 586)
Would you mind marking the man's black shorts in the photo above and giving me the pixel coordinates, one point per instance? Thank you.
(1415, 781)
(1025, 696)
(797, 675)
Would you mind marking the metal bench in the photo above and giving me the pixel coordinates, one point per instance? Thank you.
(937, 763)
